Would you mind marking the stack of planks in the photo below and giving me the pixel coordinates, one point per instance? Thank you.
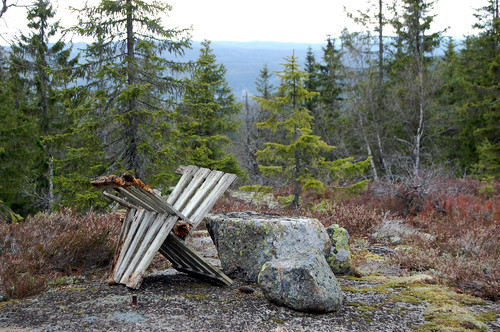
(155, 225)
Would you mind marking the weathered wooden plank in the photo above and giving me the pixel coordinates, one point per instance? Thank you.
(135, 200)
(174, 243)
(145, 232)
(142, 248)
(183, 182)
(154, 201)
(205, 276)
(146, 197)
(137, 238)
(184, 256)
(120, 201)
(212, 198)
(138, 217)
(181, 169)
(199, 196)
(127, 222)
(189, 191)
(174, 257)
(135, 279)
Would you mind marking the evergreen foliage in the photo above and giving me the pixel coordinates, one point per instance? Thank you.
(20, 151)
(207, 116)
(125, 121)
(42, 73)
(130, 102)
(300, 159)
(480, 112)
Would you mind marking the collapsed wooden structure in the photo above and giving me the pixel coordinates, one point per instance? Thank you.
(153, 224)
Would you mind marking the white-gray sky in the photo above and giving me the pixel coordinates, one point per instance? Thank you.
(265, 20)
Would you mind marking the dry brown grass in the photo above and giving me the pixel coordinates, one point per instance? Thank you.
(47, 247)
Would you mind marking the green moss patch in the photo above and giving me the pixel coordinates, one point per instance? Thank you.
(445, 309)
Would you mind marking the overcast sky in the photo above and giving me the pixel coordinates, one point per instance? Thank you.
(308, 21)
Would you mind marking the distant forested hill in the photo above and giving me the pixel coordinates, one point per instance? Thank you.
(244, 60)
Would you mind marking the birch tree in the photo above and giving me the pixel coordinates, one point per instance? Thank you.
(413, 84)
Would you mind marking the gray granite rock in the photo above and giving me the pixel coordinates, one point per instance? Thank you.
(302, 282)
(286, 256)
(247, 240)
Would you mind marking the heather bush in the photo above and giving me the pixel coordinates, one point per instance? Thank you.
(45, 247)
(464, 247)
(455, 223)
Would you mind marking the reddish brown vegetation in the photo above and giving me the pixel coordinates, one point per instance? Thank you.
(46, 247)
(458, 223)
(458, 239)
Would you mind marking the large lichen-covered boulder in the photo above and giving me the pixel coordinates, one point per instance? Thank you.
(302, 282)
(245, 241)
(339, 257)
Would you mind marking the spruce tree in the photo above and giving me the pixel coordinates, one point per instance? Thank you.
(20, 150)
(45, 70)
(480, 113)
(327, 110)
(133, 83)
(300, 160)
(263, 83)
(206, 115)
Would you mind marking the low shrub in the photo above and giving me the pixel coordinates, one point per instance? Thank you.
(455, 223)
(464, 243)
(46, 247)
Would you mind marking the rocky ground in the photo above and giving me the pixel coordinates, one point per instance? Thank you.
(171, 301)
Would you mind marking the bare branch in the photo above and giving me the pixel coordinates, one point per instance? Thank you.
(6, 6)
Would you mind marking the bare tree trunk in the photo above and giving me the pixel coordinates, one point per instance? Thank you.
(420, 128)
(296, 187)
(380, 85)
(44, 108)
(368, 148)
(131, 155)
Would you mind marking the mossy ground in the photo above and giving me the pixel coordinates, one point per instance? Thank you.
(445, 309)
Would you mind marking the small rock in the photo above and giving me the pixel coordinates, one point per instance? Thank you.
(340, 255)
(246, 289)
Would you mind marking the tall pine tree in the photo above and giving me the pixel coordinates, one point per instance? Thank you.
(133, 84)
(207, 115)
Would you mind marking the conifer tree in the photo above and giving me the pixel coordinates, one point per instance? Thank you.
(207, 115)
(300, 160)
(263, 83)
(327, 110)
(133, 84)
(480, 113)
(20, 151)
(413, 87)
(45, 70)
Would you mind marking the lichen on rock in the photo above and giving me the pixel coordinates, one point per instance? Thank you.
(339, 258)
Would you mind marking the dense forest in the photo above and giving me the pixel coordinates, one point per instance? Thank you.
(374, 107)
